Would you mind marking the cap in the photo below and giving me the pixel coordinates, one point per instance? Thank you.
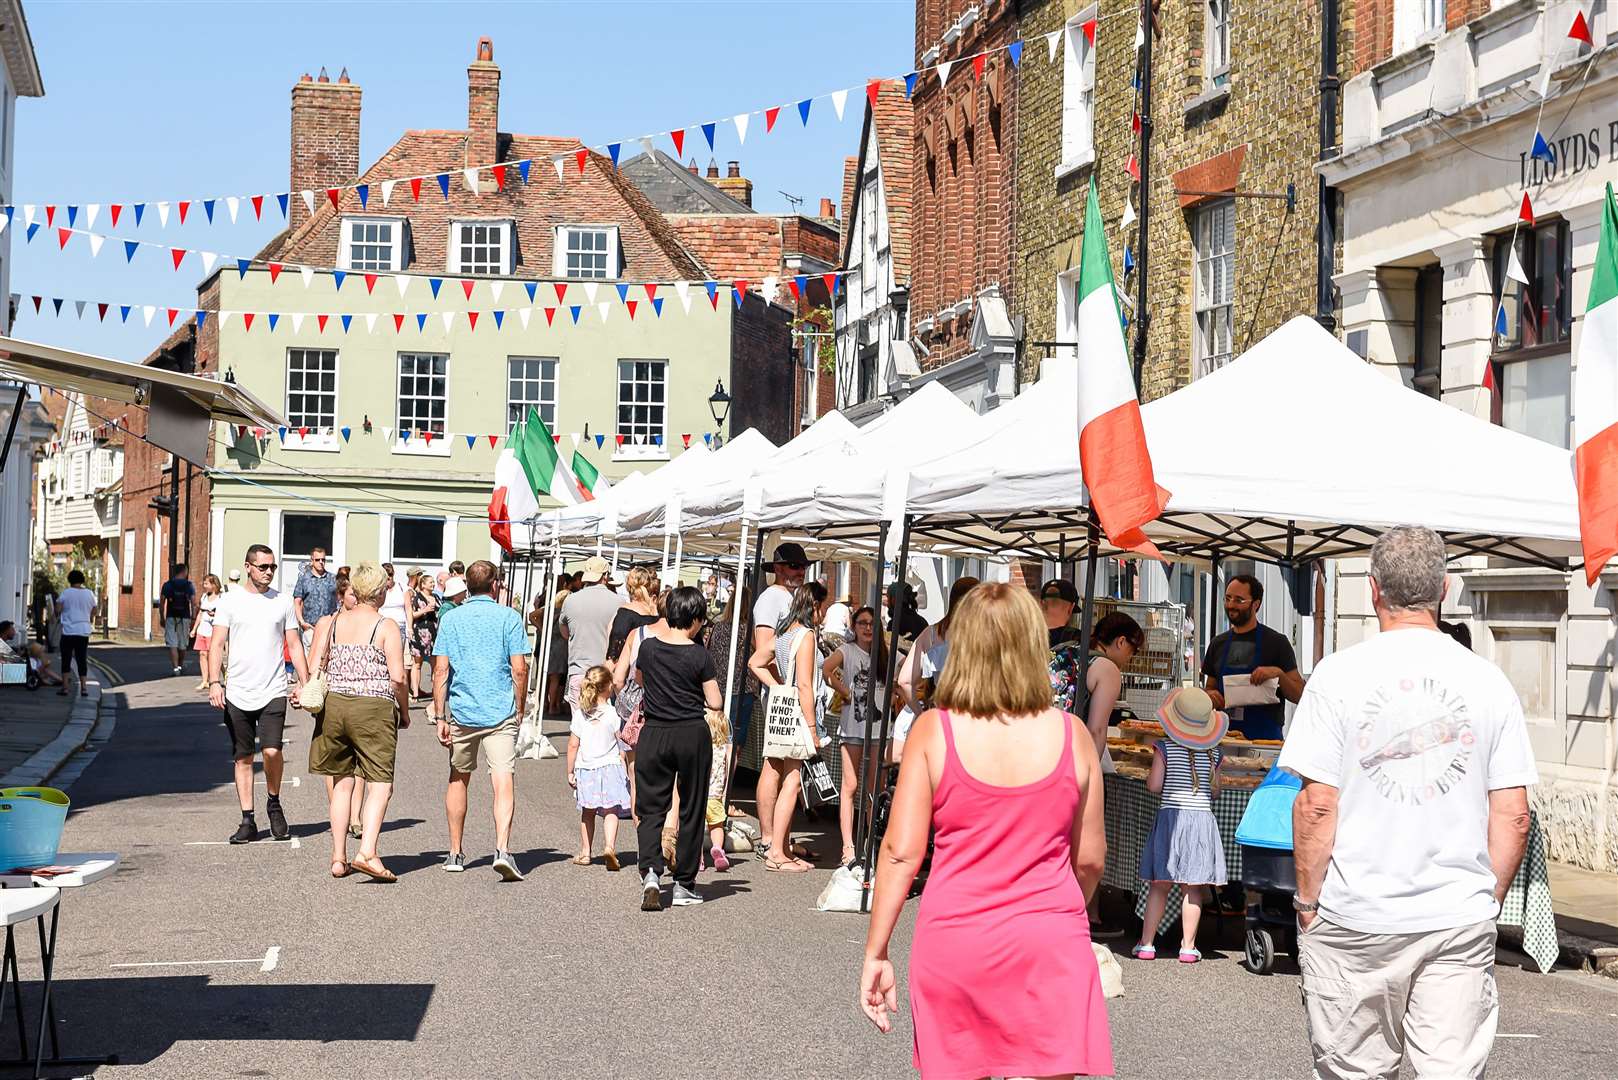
(790, 555)
(1060, 588)
(595, 568)
(235, 574)
(414, 571)
(456, 587)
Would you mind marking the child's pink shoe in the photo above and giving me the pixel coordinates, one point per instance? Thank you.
(1143, 952)
(716, 854)
(1189, 956)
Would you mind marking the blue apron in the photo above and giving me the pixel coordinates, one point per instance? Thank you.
(1254, 721)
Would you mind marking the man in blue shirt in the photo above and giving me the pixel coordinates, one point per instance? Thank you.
(480, 657)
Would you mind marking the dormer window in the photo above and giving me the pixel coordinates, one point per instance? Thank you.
(587, 251)
(372, 244)
(480, 247)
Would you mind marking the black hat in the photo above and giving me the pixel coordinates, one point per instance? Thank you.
(790, 555)
(1060, 588)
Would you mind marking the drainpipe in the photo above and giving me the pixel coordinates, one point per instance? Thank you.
(1326, 201)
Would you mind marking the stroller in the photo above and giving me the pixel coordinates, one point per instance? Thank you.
(1268, 874)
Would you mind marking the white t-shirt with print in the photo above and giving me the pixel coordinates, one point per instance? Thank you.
(1414, 731)
(255, 672)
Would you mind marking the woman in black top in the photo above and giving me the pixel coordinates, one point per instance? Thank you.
(675, 752)
(641, 586)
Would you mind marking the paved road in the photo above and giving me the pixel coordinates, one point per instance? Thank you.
(561, 975)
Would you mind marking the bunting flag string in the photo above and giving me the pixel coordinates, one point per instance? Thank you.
(324, 436)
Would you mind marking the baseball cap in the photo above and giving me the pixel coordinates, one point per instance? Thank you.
(235, 574)
(595, 568)
(790, 555)
(1059, 588)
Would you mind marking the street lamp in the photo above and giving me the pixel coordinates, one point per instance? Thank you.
(719, 405)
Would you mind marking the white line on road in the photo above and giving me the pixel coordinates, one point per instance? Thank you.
(292, 843)
(267, 962)
(293, 781)
(1503, 1035)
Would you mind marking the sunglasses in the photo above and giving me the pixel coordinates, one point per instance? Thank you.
(794, 565)
(269, 566)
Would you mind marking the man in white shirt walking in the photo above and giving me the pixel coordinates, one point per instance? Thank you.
(1408, 831)
(261, 630)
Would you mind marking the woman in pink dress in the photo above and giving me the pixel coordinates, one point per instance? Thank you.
(1003, 982)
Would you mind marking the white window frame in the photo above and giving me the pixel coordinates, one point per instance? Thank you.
(444, 556)
(1206, 249)
(1078, 93)
(810, 358)
(126, 560)
(648, 450)
(345, 243)
(417, 446)
(103, 468)
(507, 246)
(1216, 42)
(541, 401)
(317, 440)
(561, 246)
(1067, 312)
(1416, 22)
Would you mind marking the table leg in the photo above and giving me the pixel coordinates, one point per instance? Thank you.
(47, 1017)
(48, 960)
(8, 969)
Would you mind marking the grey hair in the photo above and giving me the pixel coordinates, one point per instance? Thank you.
(1407, 563)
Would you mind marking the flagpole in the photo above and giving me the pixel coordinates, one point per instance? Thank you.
(1143, 317)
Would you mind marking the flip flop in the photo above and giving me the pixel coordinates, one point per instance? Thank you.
(373, 870)
(789, 866)
(580, 860)
(339, 873)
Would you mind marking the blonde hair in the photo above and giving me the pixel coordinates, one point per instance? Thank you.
(213, 579)
(369, 582)
(718, 726)
(594, 687)
(641, 582)
(999, 655)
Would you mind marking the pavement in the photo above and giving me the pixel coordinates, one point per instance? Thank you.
(40, 729)
(202, 959)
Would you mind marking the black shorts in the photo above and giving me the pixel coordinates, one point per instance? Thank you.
(252, 727)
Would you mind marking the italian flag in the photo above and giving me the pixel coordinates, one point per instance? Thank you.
(1112, 441)
(529, 466)
(1595, 404)
(592, 485)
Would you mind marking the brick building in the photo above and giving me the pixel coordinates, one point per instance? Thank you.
(964, 200)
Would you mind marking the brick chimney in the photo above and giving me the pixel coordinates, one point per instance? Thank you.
(713, 170)
(828, 209)
(325, 138)
(482, 106)
(735, 184)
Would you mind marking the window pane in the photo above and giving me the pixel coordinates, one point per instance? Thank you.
(1535, 397)
(311, 388)
(423, 392)
(302, 533)
(418, 539)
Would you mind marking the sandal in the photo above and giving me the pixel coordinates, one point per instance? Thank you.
(610, 857)
(355, 832)
(787, 866)
(373, 870)
(580, 860)
(339, 869)
(849, 855)
(800, 851)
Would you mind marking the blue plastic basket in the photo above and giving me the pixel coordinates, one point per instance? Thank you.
(1267, 821)
(31, 821)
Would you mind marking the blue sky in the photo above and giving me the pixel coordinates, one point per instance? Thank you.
(149, 101)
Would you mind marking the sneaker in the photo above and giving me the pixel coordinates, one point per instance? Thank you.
(177, 671)
(1143, 952)
(454, 863)
(1190, 956)
(505, 867)
(684, 897)
(717, 854)
(245, 833)
(651, 896)
(278, 822)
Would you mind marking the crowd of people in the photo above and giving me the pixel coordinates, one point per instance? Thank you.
(1001, 749)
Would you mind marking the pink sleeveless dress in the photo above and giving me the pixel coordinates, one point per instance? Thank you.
(1002, 978)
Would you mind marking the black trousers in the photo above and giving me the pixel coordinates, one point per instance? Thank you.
(669, 758)
(75, 649)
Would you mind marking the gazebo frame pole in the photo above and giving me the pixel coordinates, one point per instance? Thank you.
(869, 858)
(868, 767)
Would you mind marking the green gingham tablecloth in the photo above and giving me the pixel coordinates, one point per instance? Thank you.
(1131, 810)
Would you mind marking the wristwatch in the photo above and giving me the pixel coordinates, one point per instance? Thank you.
(1301, 906)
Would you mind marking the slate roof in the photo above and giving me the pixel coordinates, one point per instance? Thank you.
(673, 189)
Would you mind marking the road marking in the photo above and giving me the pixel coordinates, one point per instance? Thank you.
(1502, 1035)
(109, 676)
(261, 783)
(292, 843)
(267, 962)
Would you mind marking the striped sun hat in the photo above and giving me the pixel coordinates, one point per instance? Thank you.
(1189, 718)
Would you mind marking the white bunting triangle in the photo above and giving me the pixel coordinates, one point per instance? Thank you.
(163, 213)
(604, 308)
(224, 317)
(495, 289)
(1514, 268)
(682, 289)
(297, 321)
(4, 221)
(387, 434)
(79, 304)
(770, 287)
(590, 290)
(232, 204)
(448, 317)
(308, 201)
(387, 191)
(308, 273)
(1545, 81)
(471, 176)
(943, 71)
(741, 127)
(1140, 35)
(1053, 41)
(28, 213)
(403, 282)
(370, 322)
(96, 240)
(561, 166)
(91, 212)
(208, 259)
(646, 143)
(839, 102)
(575, 440)
(525, 314)
(148, 311)
(1129, 214)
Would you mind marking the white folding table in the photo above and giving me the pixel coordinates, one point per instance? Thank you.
(26, 893)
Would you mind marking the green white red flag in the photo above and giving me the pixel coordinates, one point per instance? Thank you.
(1595, 404)
(529, 466)
(1112, 440)
(592, 485)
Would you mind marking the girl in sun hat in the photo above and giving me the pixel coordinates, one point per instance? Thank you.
(1184, 846)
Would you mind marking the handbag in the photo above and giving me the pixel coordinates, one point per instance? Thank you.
(312, 694)
(819, 789)
(630, 699)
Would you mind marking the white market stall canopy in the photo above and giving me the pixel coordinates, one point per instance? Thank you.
(1296, 450)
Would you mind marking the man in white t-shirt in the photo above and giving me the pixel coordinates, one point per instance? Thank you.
(261, 629)
(790, 565)
(1408, 831)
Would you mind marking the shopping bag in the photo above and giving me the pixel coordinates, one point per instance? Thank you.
(819, 789)
(785, 734)
(1111, 972)
(843, 891)
(529, 738)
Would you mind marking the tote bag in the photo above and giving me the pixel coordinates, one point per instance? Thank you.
(785, 733)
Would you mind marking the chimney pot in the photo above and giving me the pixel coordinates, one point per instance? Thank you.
(323, 76)
(735, 168)
(691, 167)
(828, 209)
(486, 49)
(713, 169)
(306, 78)
(342, 78)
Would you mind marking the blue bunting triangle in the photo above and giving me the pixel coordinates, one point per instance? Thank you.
(910, 85)
(32, 229)
(241, 267)
(713, 290)
(346, 432)
(274, 318)
(803, 110)
(123, 312)
(435, 283)
(574, 311)
(471, 441)
(140, 208)
(1500, 321)
(522, 170)
(282, 199)
(707, 438)
(1014, 50)
(129, 250)
(802, 282)
(202, 318)
(1129, 261)
(707, 133)
(11, 212)
(601, 441)
(499, 318)
(364, 192)
(421, 320)
(406, 433)
(56, 302)
(612, 149)
(623, 294)
(72, 212)
(530, 286)
(346, 320)
(443, 184)
(658, 439)
(339, 276)
(207, 207)
(283, 432)
(657, 305)
(1542, 150)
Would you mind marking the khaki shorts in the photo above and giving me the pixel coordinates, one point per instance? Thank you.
(714, 812)
(499, 746)
(357, 736)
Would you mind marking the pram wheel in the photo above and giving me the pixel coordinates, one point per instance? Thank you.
(31, 680)
(1260, 951)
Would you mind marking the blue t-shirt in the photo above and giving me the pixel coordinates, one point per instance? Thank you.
(318, 593)
(480, 637)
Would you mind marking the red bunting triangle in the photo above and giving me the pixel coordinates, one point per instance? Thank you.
(872, 89)
(241, 432)
(561, 291)
(427, 437)
(259, 433)
(472, 318)
(258, 208)
(581, 157)
(172, 313)
(116, 209)
(370, 282)
(792, 283)
(830, 281)
(1133, 168)
(36, 304)
(1580, 30)
(1526, 213)
(713, 299)
(398, 323)
(50, 216)
(332, 194)
(630, 304)
(247, 320)
(275, 272)
(741, 288)
(493, 439)
(1089, 28)
(500, 177)
(101, 309)
(415, 188)
(550, 315)
(557, 439)
(466, 287)
(769, 119)
(179, 256)
(1134, 125)
(62, 236)
(303, 433)
(651, 290)
(184, 206)
(978, 63)
(620, 439)
(679, 141)
(687, 438)
(320, 321)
